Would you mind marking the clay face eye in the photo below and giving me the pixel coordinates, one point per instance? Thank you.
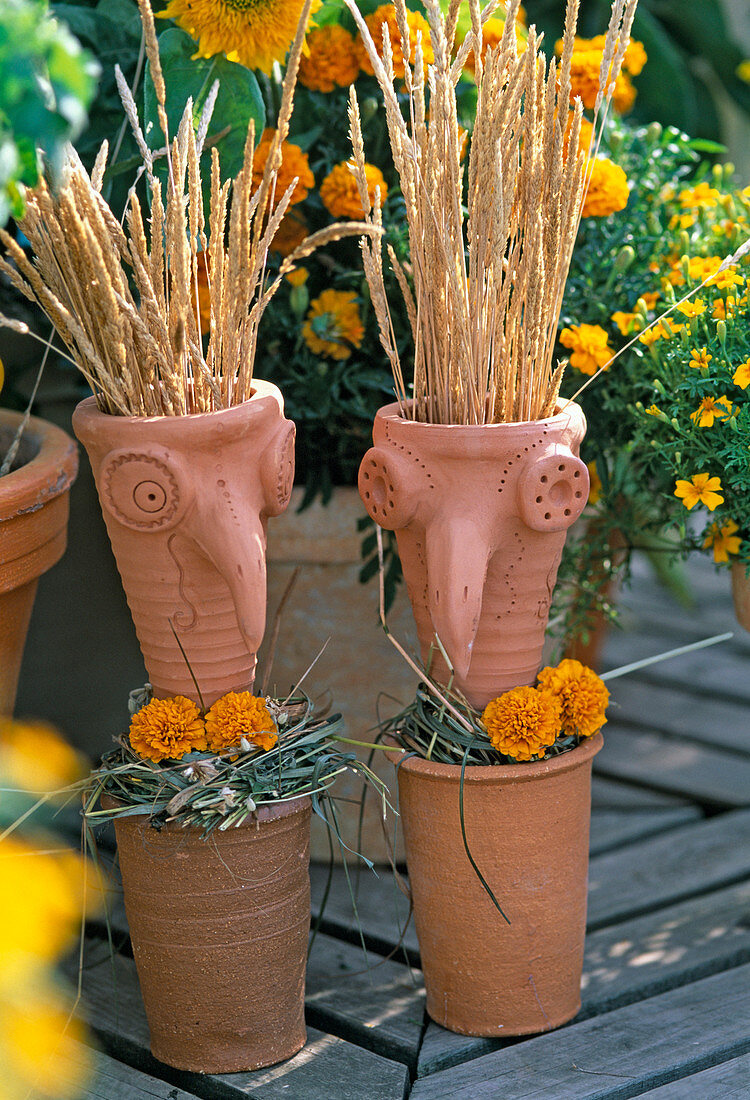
(141, 490)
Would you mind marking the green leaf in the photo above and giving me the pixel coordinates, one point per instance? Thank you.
(238, 102)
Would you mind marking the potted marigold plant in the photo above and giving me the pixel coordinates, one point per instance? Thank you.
(477, 471)
(191, 454)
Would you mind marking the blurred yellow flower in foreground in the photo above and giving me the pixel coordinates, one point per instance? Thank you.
(41, 1046)
(34, 756)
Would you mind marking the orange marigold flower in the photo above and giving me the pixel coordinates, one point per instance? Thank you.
(333, 324)
(723, 307)
(741, 376)
(204, 294)
(165, 729)
(340, 195)
(595, 483)
(700, 197)
(236, 715)
(589, 346)
(585, 65)
(626, 322)
(331, 60)
(582, 695)
(523, 722)
(723, 540)
(297, 277)
(608, 189)
(386, 13)
(492, 33)
(294, 163)
(291, 233)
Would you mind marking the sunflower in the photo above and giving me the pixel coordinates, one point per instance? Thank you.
(254, 33)
(333, 324)
(523, 722)
(240, 715)
(340, 195)
(165, 729)
(581, 693)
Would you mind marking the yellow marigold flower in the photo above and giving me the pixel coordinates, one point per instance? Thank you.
(651, 335)
(294, 163)
(741, 376)
(723, 540)
(653, 410)
(331, 59)
(340, 195)
(43, 1049)
(386, 13)
(681, 221)
(743, 70)
(291, 233)
(626, 322)
(165, 729)
(34, 757)
(711, 409)
(701, 267)
(254, 33)
(701, 489)
(700, 197)
(692, 309)
(727, 279)
(236, 715)
(589, 344)
(608, 190)
(298, 277)
(523, 722)
(333, 324)
(595, 483)
(650, 297)
(723, 307)
(582, 695)
(492, 33)
(700, 358)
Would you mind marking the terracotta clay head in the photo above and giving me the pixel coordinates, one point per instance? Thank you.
(480, 515)
(186, 500)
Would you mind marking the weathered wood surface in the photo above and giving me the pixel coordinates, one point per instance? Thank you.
(110, 1080)
(658, 708)
(115, 1012)
(727, 1081)
(613, 1056)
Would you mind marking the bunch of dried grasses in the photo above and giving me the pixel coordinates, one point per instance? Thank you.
(126, 302)
(490, 247)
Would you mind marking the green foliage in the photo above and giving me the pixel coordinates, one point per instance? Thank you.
(46, 84)
(690, 51)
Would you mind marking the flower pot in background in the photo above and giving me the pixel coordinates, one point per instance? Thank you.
(741, 593)
(480, 514)
(186, 501)
(219, 930)
(33, 531)
(527, 827)
(359, 666)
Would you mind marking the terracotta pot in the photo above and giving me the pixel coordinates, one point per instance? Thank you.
(33, 531)
(219, 931)
(186, 501)
(741, 593)
(528, 830)
(480, 514)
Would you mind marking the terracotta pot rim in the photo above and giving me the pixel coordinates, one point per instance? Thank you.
(392, 413)
(499, 774)
(267, 811)
(47, 475)
(261, 389)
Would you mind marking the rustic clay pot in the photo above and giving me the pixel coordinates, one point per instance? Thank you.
(480, 514)
(33, 531)
(219, 930)
(528, 830)
(741, 594)
(186, 501)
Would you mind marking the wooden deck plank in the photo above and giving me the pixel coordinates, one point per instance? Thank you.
(327, 1067)
(727, 1081)
(659, 708)
(383, 910)
(111, 1080)
(665, 869)
(614, 1056)
(633, 961)
(714, 778)
(380, 1008)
